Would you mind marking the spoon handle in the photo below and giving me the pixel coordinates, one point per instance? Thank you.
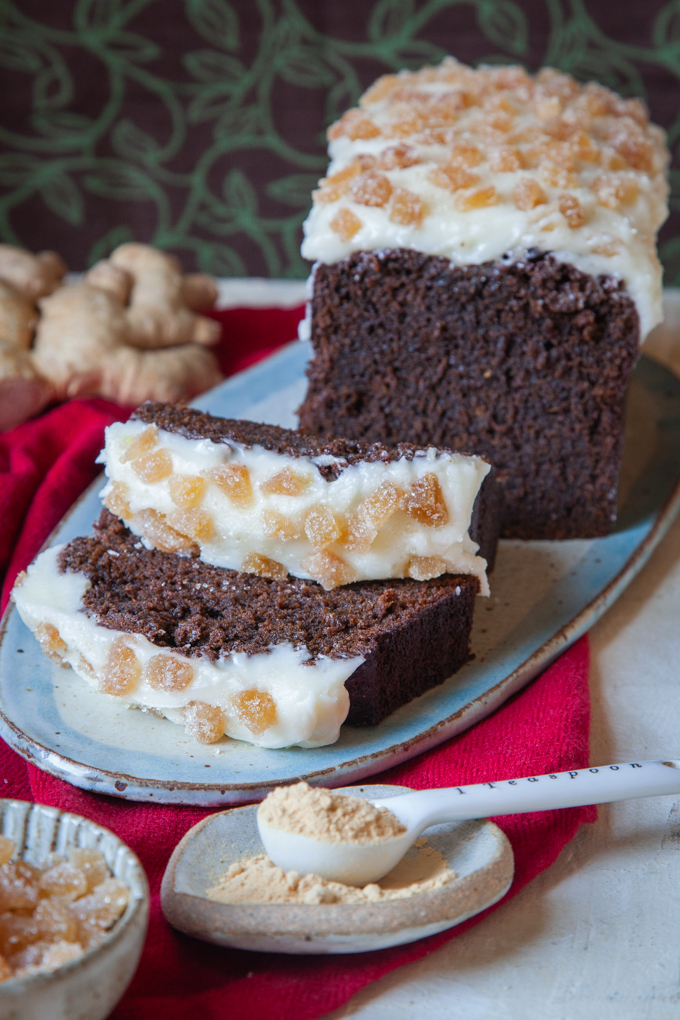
(599, 785)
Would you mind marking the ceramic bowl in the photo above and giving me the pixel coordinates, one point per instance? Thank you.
(89, 987)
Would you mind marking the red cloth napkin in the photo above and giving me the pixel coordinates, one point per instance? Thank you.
(44, 465)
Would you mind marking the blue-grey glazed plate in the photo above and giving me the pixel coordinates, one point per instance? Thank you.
(544, 596)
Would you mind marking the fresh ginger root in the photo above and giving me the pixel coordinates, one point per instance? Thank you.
(163, 304)
(130, 332)
(23, 279)
(84, 345)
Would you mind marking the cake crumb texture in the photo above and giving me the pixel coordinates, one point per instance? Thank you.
(524, 362)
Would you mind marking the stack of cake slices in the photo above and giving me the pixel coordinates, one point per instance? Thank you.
(253, 581)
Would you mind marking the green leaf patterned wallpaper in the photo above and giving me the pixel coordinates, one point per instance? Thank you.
(198, 125)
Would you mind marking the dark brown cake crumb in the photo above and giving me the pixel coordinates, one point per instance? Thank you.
(413, 634)
(523, 362)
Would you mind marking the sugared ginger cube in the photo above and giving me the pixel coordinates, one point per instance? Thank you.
(122, 671)
(186, 491)
(141, 444)
(153, 467)
(425, 502)
(256, 710)
(234, 481)
(203, 723)
(168, 673)
(345, 224)
(263, 566)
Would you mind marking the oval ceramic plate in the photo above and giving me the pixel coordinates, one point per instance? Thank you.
(544, 596)
(478, 851)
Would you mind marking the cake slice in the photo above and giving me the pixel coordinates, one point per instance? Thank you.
(485, 271)
(275, 662)
(273, 502)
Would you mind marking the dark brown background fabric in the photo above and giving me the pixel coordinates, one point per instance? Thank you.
(198, 125)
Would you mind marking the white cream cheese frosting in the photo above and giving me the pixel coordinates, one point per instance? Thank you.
(478, 164)
(377, 519)
(306, 702)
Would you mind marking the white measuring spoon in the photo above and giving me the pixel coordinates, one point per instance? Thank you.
(360, 863)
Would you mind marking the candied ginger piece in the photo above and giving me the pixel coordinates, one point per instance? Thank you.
(91, 863)
(158, 532)
(168, 673)
(99, 910)
(186, 491)
(203, 723)
(479, 198)
(505, 159)
(466, 155)
(555, 176)
(330, 192)
(328, 569)
(64, 880)
(256, 710)
(263, 566)
(423, 568)
(51, 642)
(355, 124)
(18, 886)
(285, 483)
(345, 224)
(16, 932)
(276, 525)
(321, 527)
(197, 524)
(406, 208)
(615, 190)
(398, 157)
(141, 444)
(7, 849)
(153, 467)
(452, 177)
(369, 517)
(380, 89)
(122, 670)
(371, 188)
(425, 502)
(5, 969)
(54, 920)
(117, 500)
(572, 210)
(59, 953)
(528, 193)
(234, 481)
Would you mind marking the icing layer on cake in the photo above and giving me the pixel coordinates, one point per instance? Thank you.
(475, 165)
(328, 517)
(279, 698)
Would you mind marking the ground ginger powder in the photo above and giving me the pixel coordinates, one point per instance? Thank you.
(258, 880)
(327, 816)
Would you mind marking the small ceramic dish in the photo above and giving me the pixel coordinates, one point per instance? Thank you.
(89, 987)
(478, 852)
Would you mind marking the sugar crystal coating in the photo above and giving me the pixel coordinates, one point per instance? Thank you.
(423, 568)
(256, 710)
(122, 671)
(329, 569)
(153, 467)
(155, 527)
(203, 723)
(276, 525)
(345, 224)
(186, 491)
(234, 481)
(195, 524)
(7, 849)
(141, 444)
(263, 566)
(425, 502)
(167, 673)
(285, 483)
(117, 500)
(321, 526)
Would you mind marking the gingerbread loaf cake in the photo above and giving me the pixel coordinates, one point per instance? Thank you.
(275, 662)
(485, 269)
(273, 502)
